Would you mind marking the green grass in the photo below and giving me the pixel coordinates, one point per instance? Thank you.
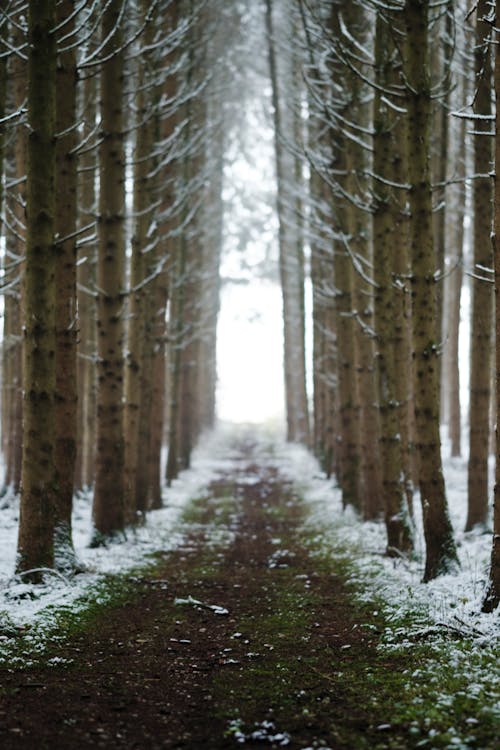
(434, 692)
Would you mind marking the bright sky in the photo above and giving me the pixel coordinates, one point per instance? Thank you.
(250, 353)
(250, 331)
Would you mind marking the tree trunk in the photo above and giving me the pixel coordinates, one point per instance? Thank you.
(387, 244)
(15, 251)
(66, 307)
(482, 291)
(441, 554)
(291, 265)
(358, 226)
(138, 372)
(492, 598)
(453, 287)
(108, 508)
(36, 522)
(86, 276)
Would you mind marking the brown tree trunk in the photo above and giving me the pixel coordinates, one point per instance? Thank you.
(15, 251)
(36, 522)
(66, 306)
(441, 556)
(108, 507)
(387, 244)
(358, 226)
(291, 263)
(492, 598)
(138, 371)
(482, 292)
(86, 276)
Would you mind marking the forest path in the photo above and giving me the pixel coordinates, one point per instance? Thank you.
(241, 637)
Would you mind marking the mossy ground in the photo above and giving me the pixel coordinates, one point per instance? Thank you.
(296, 659)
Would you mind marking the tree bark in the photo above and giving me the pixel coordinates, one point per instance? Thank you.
(482, 292)
(291, 262)
(36, 522)
(387, 244)
(441, 556)
(140, 349)
(66, 305)
(86, 277)
(492, 598)
(108, 507)
(15, 240)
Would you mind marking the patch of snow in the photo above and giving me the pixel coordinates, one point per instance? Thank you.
(23, 605)
(452, 601)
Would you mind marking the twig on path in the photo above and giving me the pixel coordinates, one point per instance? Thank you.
(215, 608)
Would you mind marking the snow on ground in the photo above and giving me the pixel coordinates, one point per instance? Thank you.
(450, 601)
(22, 604)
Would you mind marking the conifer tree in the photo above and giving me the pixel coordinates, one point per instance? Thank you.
(441, 556)
(38, 484)
(108, 508)
(66, 305)
(492, 598)
(482, 292)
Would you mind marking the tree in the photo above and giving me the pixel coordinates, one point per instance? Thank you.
(387, 244)
(86, 285)
(15, 240)
(291, 257)
(482, 292)
(492, 597)
(108, 507)
(138, 371)
(66, 303)
(36, 523)
(441, 556)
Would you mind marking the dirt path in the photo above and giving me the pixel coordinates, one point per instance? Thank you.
(240, 636)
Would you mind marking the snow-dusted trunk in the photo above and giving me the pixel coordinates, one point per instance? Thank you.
(492, 598)
(440, 60)
(324, 345)
(86, 277)
(291, 258)
(358, 228)
(12, 372)
(143, 262)
(482, 291)
(453, 281)
(387, 243)
(441, 556)
(178, 267)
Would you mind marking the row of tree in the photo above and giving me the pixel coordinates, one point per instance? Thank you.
(116, 118)
(111, 151)
(383, 121)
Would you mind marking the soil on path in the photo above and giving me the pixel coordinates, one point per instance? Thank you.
(239, 636)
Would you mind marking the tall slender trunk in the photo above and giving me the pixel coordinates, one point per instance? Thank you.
(492, 598)
(36, 522)
(358, 226)
(482, 292)
(86, 276)
(66, 307)
(291, 265)
(441, 556)
(387, 244)
(108, 507)
(453, 286)
(15, 251)
(138, 371)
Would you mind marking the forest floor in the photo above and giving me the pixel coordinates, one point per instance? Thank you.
(246, 635)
